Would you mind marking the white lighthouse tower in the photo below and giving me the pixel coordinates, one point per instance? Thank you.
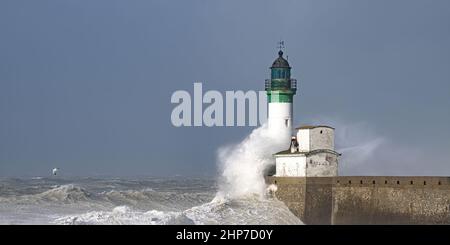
(281, 89)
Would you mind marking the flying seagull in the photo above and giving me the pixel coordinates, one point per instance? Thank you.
(54, 171)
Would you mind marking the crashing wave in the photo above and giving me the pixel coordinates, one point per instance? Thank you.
(124, 215)
(248, 210)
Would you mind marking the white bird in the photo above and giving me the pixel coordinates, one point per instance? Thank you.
(54, 171)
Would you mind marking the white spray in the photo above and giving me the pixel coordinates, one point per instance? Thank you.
(243, 165)
(368, 152)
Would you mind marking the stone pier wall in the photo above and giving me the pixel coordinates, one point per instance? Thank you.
(366, 199)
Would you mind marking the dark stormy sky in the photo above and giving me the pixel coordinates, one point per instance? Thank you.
(85, 85)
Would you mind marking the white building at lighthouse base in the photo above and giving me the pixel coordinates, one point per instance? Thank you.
(311, 154)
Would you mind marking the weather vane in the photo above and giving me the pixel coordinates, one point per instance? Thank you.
(280, 45)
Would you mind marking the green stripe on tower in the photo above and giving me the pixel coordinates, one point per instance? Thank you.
(279, 98)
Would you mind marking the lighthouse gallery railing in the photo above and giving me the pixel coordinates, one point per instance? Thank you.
(280, 84)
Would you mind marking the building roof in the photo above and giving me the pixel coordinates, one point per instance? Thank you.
(313, 126)
(306, 153)
(280, 62)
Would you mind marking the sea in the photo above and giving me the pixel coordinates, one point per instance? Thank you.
(132, 201)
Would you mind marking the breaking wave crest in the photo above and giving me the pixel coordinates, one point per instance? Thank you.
(65, 193)
(59, 194)
(124, 215)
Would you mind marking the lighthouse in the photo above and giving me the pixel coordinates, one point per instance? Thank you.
(280, 89)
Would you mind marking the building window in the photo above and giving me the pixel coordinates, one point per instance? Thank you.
(411, 182)
(398, 182)
(360, 182)
(349, 181)
(373, 182)
(424, 183)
